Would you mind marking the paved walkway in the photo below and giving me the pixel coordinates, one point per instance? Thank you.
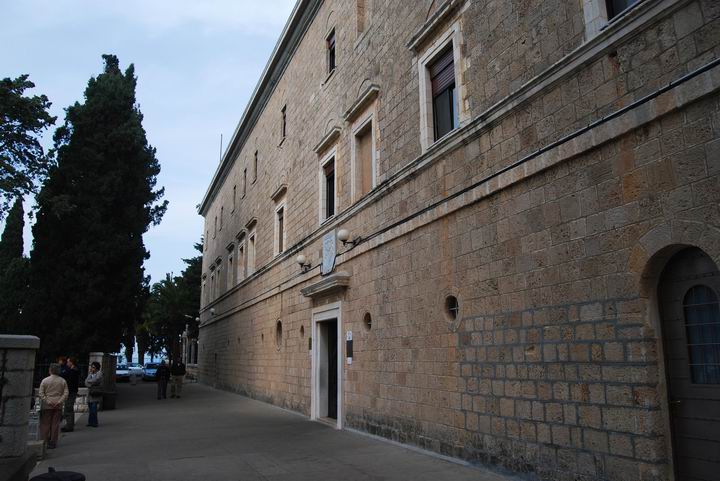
(215, 435)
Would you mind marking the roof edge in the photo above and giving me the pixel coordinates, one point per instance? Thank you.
(292, 34)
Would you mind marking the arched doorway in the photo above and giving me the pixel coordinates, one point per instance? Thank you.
(689, 306)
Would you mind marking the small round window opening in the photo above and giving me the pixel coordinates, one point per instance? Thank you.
(367, 321)
(452, 308)
(278, 334)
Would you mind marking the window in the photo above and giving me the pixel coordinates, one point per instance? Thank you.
(218, 274)
(251, 252)
(230, 271)
(444, 96)
(255, 167)
(616, 7)
(215, 228)
(280, 233)
(244, 184)
(363, 160)
(328, 187)
(234, 198)
(702, 325)
(204, 293)
(212, 284)
(441, 90)
(241, 260)
(222, 209)
(330, 44)
(283, 123)
(205, 240)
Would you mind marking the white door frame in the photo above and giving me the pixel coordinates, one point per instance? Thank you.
(320, 314)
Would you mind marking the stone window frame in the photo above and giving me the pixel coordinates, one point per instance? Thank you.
(230, 281)
(251, 249)
(330, 53)
(596, 16)
(368, 115)
(203, 290)
(330, 155)
(280, 204)
(211, 294)
(241, 256)
(451, 36)
(218, 273)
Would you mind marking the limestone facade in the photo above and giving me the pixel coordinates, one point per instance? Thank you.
(586, 154)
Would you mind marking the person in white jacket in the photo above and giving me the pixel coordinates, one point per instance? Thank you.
(53, 392)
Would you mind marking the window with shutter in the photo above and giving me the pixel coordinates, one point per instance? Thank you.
(444, 97)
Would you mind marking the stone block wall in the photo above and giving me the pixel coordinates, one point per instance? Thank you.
(553, 366)
(17, 361)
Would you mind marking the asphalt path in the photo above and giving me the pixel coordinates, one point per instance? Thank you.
(210, 435)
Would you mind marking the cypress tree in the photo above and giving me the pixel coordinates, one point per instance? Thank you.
(88, 252)
(11, 241)
(13, 271)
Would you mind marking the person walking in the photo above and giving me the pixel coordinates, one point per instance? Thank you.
(72, 378)
(177, 372)
(93, 383)
(53, 392)
(163, 376)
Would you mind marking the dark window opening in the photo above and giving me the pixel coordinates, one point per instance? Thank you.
(281, 229)
(283, 125)
(616, 7)
(329, 171)
(331, 51)
(444, 96)
(702, 325)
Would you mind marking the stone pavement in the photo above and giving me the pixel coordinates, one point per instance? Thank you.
(215, 435)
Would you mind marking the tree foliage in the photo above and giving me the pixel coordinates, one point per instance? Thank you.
(171, 302)
(87, 279)
(13, 271)
(23, 162)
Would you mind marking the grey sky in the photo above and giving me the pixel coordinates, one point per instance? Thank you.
(197, 63)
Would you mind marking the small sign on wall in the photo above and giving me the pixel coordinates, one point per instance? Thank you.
(329, 250)
(349, 346)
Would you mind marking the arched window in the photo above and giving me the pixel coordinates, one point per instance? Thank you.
(702, 325)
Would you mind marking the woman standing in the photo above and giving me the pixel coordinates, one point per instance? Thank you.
(53, 392)
(93, 383)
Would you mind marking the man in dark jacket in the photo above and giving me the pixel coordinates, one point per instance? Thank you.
(71, 374)
(177, 372)
(163, 376)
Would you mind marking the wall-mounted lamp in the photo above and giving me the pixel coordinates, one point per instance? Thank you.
(343, 236)
(304, 264)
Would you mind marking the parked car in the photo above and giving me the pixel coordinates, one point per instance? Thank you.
(136, 369)
(150, 371)
(122, 373)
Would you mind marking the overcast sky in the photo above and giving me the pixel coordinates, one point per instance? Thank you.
(197, 63)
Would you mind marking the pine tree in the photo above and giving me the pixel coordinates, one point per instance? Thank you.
(88, 251)
(23, 162)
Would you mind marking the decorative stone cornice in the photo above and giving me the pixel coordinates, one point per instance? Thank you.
(279, 192)
(334, 282)
(440, 15)
(327, 140)
(368, 95)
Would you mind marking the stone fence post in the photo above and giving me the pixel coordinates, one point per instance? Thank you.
(17, 362)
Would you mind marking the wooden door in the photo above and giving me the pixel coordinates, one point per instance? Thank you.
(689, 301)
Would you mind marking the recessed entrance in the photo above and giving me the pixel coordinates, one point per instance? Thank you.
(327, 367)
(688, 295)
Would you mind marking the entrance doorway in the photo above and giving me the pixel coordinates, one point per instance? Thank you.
(689, 304)
(326, 366)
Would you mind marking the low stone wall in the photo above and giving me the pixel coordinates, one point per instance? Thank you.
(17, 360)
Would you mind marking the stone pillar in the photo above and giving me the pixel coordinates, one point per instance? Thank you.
(17, 361)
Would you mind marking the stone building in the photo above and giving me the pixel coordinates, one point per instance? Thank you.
(528, 194)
